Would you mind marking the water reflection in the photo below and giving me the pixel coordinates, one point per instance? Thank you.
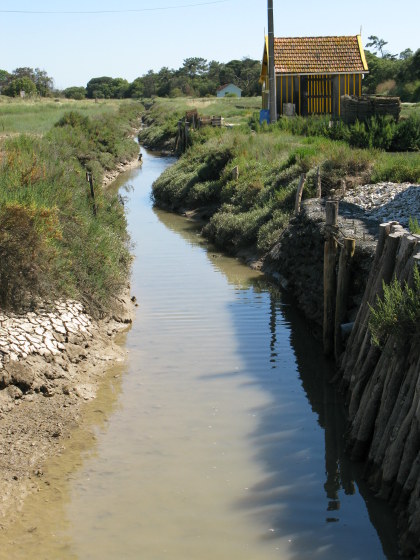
(334, 506)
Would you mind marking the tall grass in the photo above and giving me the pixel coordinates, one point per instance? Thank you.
(51, 244)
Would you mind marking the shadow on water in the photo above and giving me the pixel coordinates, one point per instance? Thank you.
(303, 400)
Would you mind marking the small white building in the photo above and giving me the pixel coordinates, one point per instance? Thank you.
(229, 88)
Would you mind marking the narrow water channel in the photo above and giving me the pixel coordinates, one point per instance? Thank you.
(219, 439)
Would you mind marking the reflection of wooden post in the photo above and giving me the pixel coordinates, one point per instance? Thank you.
(318, 183)
(330, 253)
(299, 193)
(89, 179)
(343, 283)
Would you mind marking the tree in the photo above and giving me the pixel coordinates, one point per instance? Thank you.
(44, 84)
(379, 44)
(149, 83)
(4, 78)
(75, 92)
(405, 54)
(99, 88)
(136, 89)
(195, 66)
(24, 72)
(17, 85)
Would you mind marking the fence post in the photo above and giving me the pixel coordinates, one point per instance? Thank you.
(299, 193)
(89, 179)
(343, 284)
(330, 254)
(318, 182)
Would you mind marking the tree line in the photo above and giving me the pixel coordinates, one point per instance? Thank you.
(196, 78)
(389, 74)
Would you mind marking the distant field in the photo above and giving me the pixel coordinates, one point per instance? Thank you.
(38, 116)
(233, 109)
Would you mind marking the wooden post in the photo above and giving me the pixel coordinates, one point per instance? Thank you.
(330, 254)
(299, 193)
(89, 179)
(343, 283)
(343, 187)
(235, 172)
(318, 182)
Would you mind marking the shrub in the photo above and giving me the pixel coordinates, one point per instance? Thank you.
(407, 134)
(397, 312)
(75, 92)
(270, 232)
(26, 252)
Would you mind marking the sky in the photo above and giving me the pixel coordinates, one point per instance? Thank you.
(130, 37)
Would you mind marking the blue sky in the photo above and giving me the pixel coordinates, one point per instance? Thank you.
(73, 48)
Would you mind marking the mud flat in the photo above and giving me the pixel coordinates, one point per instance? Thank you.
(51, 363)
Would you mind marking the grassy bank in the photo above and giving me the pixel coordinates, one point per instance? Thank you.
(251, 210)
(51, 243)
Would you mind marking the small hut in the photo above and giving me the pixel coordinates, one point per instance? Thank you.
(313, 73)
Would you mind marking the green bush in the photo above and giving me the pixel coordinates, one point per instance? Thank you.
(407, 134)
(397, 312)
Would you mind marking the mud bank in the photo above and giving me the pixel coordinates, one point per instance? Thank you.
(43, 393)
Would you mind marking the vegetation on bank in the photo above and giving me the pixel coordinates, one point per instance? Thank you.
(51, 243)
(397, 312)
(380, 132)
(251, 210)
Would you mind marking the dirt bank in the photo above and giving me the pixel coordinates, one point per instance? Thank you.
(42, 399)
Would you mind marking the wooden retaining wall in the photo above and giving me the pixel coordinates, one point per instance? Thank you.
(383, 389)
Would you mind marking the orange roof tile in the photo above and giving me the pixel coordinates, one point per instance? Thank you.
(318, 55)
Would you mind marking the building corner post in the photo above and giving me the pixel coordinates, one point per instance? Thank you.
(271, 68)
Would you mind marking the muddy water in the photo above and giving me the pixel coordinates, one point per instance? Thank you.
(220, 438)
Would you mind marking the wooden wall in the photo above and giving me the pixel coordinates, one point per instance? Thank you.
(316, 94)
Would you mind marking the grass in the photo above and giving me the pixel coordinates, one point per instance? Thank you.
(38, 115)
(408, 109)
(51, 243)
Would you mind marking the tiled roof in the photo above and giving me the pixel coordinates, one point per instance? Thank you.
(320, 55)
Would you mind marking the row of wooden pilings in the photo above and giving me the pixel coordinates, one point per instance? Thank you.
(336, 284)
